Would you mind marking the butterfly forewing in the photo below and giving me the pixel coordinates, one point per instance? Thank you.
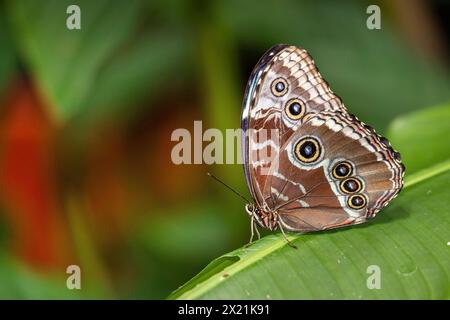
(284, 87)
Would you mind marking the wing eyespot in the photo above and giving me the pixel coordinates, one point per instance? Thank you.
(308, 150)
(295, 109)
(350, 185)
(279, 87)
(342, 170)
(357, 201)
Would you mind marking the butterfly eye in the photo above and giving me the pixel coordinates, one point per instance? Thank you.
(357, 201)
(295, 109)
(279, 87)
(350, 185)
(342, 170)
(307, 150)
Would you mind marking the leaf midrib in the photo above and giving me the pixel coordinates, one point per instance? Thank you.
(235, 268)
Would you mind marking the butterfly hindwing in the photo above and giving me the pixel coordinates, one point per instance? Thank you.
(355, 174)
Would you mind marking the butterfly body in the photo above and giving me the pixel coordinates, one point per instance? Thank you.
(309, 164)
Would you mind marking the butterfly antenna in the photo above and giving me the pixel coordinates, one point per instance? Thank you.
(230, 188)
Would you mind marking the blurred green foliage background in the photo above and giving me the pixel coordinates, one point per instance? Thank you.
(86, 118)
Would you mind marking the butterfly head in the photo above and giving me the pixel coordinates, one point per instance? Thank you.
(265, 217)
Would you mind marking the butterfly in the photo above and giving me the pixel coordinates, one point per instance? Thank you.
(322, 168)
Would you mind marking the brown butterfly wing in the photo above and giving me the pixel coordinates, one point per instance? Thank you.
(311, 196)
(265, 120)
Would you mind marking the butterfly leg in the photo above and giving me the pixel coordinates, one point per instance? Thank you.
(289, 242)
(257, 231)
(253, 228)
(252, 232)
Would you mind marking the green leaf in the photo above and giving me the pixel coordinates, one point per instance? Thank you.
(66, 62)
(7, 54)
(422, 137)
(407, 241)
(111, 60)
(19, 282)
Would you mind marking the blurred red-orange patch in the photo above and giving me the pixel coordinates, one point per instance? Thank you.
(28, 188)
